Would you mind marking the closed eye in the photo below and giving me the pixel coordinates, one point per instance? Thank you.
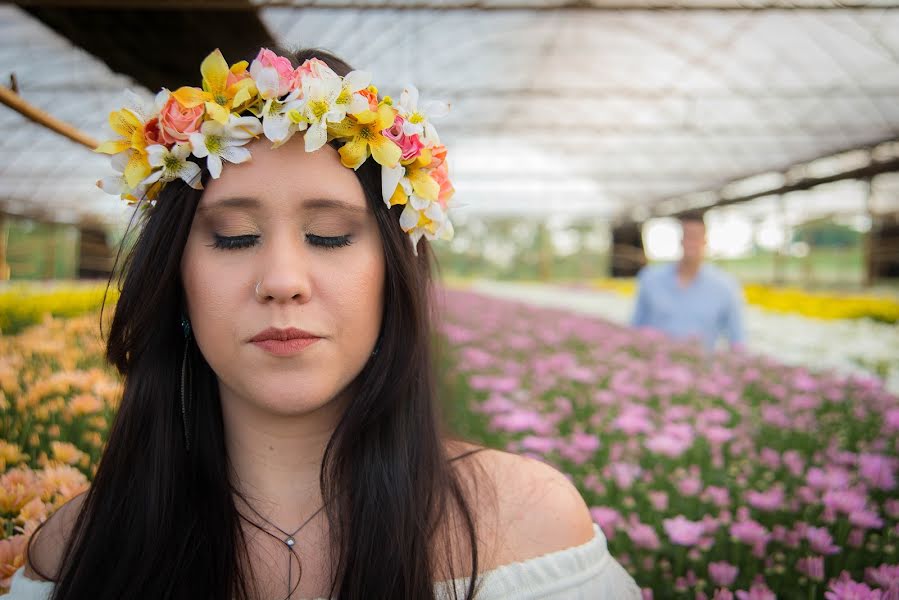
(238, 242)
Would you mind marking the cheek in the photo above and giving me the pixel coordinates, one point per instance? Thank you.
(358, 298)
(210, 288)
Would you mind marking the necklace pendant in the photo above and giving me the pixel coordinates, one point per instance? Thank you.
(290, 542)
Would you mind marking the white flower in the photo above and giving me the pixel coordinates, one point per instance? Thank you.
(319, 108)
(418, 120)
(439, 227)
(215, 141)
(349, 100)
(276, 122)
(172, 164)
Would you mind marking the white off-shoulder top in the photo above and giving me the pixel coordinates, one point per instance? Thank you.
(585, 572)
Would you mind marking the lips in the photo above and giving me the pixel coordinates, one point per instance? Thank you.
(283, 335)
(283, 342)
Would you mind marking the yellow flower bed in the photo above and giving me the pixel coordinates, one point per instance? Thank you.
(22, 305)
(818, 305)
(57, 399)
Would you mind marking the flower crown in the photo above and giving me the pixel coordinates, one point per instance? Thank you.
(212, 123)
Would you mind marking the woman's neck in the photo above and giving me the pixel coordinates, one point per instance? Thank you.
(276, 459)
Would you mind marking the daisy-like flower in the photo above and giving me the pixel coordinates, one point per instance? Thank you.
(366, 138)
(216, 142)
(418, 119)
(173, 164)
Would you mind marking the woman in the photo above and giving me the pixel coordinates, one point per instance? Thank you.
(278, 435)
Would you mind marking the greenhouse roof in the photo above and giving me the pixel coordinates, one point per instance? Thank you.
(578, 110)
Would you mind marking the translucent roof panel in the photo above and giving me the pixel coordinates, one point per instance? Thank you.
(586, 111)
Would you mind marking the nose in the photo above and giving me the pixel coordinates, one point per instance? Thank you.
(284, 270)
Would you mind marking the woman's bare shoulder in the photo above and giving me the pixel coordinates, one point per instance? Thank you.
(528, 508)
(49, 543)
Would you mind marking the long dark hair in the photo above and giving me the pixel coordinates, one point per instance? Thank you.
(161, 522)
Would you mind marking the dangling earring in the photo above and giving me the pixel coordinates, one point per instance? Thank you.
(186, 374)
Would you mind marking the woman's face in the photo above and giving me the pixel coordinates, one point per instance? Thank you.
(297, 224)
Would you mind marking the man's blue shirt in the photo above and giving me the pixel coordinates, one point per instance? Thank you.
(708, 307)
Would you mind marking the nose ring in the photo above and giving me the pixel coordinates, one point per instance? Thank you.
(257, 290)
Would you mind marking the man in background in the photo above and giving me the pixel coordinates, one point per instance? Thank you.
(690, 298)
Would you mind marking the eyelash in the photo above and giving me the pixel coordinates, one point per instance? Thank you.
(239, 242)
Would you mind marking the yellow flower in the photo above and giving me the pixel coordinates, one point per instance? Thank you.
(34, 510)
(84, 404)
(364, 132)
(129, 126)
(10, 454)
(66, 452)
(225, 90)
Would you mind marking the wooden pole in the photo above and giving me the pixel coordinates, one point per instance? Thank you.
(4, 236)
(33, 113)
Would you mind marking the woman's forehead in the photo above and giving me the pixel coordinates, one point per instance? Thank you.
(314, 181)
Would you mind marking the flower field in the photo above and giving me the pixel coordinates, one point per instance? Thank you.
(56, 402)
(732, 478)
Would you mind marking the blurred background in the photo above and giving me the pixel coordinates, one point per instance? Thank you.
(579, 132)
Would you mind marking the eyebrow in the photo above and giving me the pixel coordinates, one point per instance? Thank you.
(310, 204)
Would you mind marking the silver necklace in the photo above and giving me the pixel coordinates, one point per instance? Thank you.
(289, 540)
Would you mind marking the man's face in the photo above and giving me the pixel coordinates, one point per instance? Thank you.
(693, 241)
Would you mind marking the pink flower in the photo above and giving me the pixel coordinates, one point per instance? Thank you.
(410, 145)
(866, 519)
(758, 591)
(812, 567)
(668, 445)
(723, 594)
(845, 588)
(643, 536)
(607, 518)
(723, 573)
(659, 500)
(845, 501)
(750, 532)
(821, 541)
(878, 470)
(771, 500)
(891, 420)
(624, 474)
(286, 75)
(646, 593)
(689, 486)
(538, 444)
(313, 67)
(883, 576)
(176, 123)
(682, 531)
(718, 496)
